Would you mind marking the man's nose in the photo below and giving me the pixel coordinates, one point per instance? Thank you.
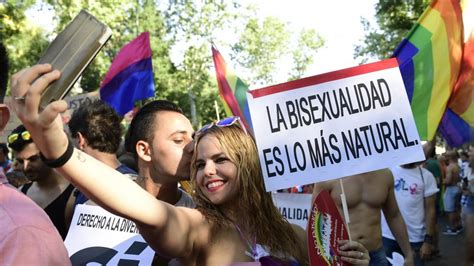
(25, 165)
(189, 148)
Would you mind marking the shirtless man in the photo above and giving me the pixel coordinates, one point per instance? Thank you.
(367, 194)
(48, 189)
(452, 194)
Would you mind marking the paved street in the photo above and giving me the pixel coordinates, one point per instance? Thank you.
(451, 248)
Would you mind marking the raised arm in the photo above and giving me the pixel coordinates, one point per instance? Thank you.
(169, 230)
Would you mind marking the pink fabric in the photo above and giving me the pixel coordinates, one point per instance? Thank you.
(27, 236)
(136, 50)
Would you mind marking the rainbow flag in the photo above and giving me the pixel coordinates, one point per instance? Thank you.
(232, 90)
(130, 77)
(455, 130)
(430, 62)
(457, 126)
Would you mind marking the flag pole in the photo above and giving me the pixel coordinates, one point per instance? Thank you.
(345, 210)
(217, 110)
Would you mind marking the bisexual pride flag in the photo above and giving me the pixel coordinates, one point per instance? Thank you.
(130, 77)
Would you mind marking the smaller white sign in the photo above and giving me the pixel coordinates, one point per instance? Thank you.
(295, 207)
(98, 237)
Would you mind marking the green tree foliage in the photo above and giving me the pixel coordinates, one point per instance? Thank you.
(22, 41)
(193, 25)
(308, 43)
(394, 20)
(188, 27)
(261, 44)
(126, 19)
(3, 71)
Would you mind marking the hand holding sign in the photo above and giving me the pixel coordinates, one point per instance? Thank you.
(328, 236)
(325, 228)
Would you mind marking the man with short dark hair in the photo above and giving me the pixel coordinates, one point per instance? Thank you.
(96, 128)
(160, 138)
(48, 189)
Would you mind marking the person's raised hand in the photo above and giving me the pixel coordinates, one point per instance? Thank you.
(44, 126)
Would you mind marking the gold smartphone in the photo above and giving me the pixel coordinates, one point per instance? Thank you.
(71, 52)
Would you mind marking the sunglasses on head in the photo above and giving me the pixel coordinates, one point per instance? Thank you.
(229, 121)
(25, 135)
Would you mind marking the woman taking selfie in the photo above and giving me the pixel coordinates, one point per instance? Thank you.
(235, 220)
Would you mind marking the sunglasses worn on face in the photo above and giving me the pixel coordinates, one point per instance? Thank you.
(229, 121)
(25, 135)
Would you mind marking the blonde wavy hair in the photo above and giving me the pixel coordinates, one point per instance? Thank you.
(256, 205)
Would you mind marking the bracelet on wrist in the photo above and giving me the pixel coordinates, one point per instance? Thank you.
(55, 163)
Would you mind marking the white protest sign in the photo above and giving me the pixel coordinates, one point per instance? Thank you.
(97, 236)
(333, 125)
(295, 207)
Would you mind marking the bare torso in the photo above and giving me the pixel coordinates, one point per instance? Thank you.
(452, 173)
(225, 248)
(366, 195)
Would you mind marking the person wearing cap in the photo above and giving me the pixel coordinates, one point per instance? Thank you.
(48, 188)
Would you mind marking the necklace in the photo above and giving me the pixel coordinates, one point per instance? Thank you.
(251, 245)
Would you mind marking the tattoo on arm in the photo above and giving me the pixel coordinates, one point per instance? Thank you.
(81, 157)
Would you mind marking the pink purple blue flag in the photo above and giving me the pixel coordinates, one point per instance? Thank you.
(130, 77)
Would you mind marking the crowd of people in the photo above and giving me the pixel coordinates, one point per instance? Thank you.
(437, 189)
(56, 168)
